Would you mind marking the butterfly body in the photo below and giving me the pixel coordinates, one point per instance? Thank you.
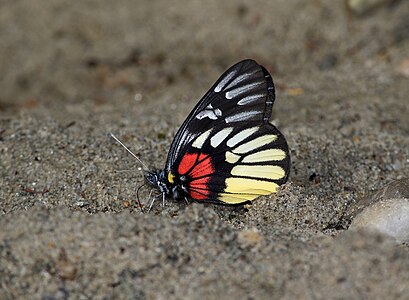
(226, 151)
(175, 190)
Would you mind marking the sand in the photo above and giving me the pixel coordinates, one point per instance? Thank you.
(70, 227)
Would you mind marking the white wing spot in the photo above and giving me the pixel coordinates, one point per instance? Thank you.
(239, 79)
(199, 141)
(255, 143)
(242, 116)
(219, 137)
(231, 157)
(209, 112)
(242, 135)
(242, 89)
(224, 81)
(250, 99)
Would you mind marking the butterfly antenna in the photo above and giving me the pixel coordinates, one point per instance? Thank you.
(127, 149)
(137, 196)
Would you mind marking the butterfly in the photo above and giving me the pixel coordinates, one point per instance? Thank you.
(227, 151)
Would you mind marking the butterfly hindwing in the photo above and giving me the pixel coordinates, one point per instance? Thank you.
(226, 150)
(235, 164)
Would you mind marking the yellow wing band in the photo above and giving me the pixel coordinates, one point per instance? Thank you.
(240, 190)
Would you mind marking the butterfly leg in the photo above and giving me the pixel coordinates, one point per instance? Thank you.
(163, 200)
(186, 200)
(149, 199)
(151, 204)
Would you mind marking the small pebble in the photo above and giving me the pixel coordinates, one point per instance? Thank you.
(386, 211)
(395, 189)
(403, 68)
(295, 91)
(328, 62)
(61, 294)
(66, 269)
(250, 237)
(388, 216)
(81, 203)
(361, 7)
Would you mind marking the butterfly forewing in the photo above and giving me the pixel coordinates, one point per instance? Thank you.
(244, 93)
(226, 150)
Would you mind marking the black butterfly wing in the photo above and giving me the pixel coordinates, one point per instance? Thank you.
(244, 93)
(226, 150)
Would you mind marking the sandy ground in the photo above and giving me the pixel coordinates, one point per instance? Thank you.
(71, 72)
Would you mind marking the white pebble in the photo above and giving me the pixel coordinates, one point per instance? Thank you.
(388, 216)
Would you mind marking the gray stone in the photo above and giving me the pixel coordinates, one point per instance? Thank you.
(388, 216)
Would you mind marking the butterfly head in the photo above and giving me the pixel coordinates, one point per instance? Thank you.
(156, 178)
(165, 183)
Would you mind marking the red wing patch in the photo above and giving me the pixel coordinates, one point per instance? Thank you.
(188, 161)
(199, 168)
(204, 167)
